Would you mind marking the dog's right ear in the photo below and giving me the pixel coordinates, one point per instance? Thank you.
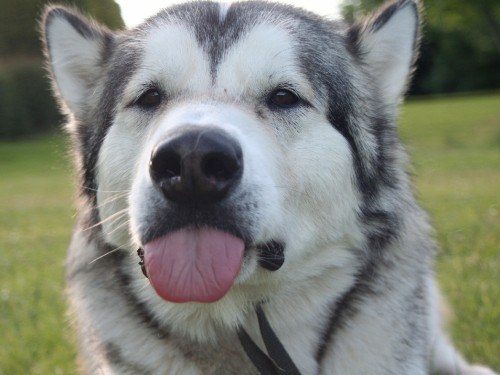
(387, 44)
(75, 48)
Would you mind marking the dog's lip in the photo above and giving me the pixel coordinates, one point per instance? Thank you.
(271, 253)
(155, 231)
(249, 243)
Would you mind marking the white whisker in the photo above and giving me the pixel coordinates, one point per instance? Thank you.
(112, 199)
(124, 224)
(105, 191)
(105, 255)
(113, 218)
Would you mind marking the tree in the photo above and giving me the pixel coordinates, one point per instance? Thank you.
(460, 47)
(26, 106)
(19, 22)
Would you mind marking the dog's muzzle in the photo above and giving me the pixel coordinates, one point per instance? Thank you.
(196, 172)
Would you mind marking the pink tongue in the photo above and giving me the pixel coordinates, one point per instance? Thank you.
(193, 264)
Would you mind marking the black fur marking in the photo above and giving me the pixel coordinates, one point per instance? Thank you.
(113, 264)
(140, 253)
(330, 72)
(216, 217)
(388, 144)
(383, 228)
(416, 334)
(375, 171)
(86, 144)
(272, 255)
(346, 307)
(115, 356)
(227, 33)
(231, 216)
(352, 41)
(79, 23)
(214, 34)
(338, 116)
(140, 309)
(92, 130)
(386, 13)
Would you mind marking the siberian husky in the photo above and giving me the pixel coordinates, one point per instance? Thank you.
(247, 157)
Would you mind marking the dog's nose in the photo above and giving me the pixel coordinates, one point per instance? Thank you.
(199, 166)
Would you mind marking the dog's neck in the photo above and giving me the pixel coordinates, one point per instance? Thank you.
(277, 361)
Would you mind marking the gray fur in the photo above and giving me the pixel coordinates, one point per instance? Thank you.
(356, 297)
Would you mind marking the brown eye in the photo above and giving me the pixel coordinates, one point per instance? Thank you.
(283, 98)
(149, 99)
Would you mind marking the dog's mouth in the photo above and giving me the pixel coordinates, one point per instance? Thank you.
(193, 265)
(200, 265)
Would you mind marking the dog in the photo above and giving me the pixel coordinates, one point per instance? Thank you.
(244, 205)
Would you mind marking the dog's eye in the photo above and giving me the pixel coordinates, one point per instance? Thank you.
(283, 98)
(149, 99)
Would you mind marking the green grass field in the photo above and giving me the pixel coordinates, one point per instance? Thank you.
(455, 145)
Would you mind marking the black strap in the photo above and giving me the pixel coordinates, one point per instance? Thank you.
(274, 346)
(261, 361)
(278, 362)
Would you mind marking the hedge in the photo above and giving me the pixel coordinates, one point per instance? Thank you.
(27, 107)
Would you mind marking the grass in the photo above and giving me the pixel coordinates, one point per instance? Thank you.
(455, 144)
(35, 224)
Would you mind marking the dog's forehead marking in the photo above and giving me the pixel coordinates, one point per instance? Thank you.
(173, 55)
(262, 58)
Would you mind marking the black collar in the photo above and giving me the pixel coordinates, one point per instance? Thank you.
(278, 362)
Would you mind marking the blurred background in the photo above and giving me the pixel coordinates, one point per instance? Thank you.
(451, 124)
(26, 106)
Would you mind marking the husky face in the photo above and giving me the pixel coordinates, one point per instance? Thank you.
(293, 169)
(221, 142)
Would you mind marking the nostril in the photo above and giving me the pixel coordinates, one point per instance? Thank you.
(165, 165)
(171, 166)
(219, 166)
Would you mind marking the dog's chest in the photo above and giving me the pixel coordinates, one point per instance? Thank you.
(225, 357)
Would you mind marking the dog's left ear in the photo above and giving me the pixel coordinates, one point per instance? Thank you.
(387, 44)
(75, 48)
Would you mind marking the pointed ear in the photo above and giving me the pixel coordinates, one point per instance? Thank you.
(75, 50)
(387, 44)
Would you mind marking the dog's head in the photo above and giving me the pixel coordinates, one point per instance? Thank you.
(234, 143)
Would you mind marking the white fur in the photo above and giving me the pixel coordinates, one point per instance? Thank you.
(389, 53)
(251, 66)
(172, 58)
(223, 9)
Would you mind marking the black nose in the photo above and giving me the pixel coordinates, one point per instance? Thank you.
(197, 166)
